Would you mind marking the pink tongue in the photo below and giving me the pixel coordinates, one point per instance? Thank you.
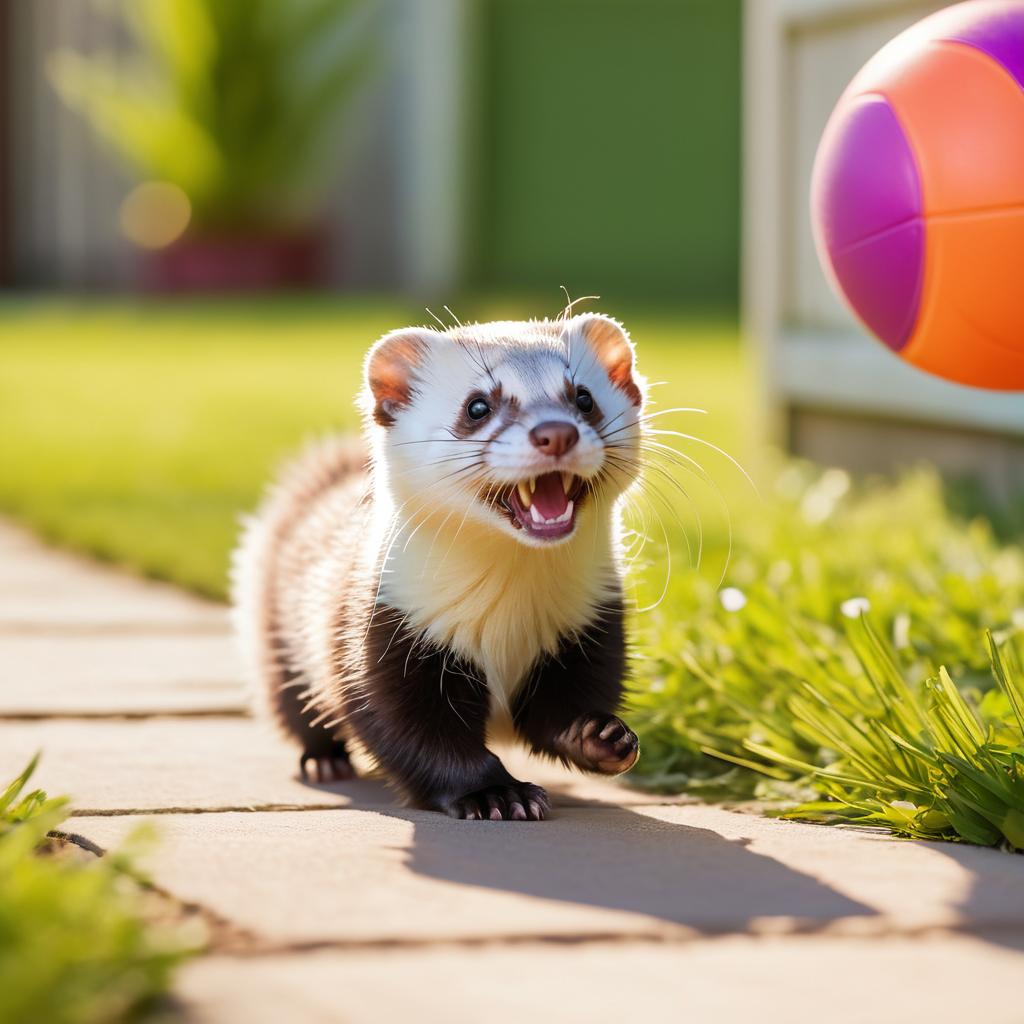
(550, 496)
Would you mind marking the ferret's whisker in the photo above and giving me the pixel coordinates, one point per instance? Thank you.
(695, 508)
(615, 419)
(445, 440)
(646, 483)
(668, 557)
(658, 450)
(570, 303)
(642, 420)
(440, 322)
(486, 440)
(715, 448)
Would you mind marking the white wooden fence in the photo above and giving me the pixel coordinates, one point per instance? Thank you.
(830, 391)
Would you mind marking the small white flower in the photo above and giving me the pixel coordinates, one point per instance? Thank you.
(901, 631)
(855, 607)
(822, 497)
(732, 599)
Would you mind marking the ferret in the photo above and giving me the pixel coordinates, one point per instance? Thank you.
(460, 570)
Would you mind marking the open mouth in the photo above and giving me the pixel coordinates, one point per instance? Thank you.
(545, 506)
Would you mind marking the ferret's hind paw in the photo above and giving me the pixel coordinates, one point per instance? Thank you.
(605, 744)
(518, 801)
(332, 765)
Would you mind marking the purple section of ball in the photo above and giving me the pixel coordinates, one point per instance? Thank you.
(881, 278)
(868, 212)
(866, 179)
(996, 29)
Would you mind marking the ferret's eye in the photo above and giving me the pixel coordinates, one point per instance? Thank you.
(477, 409)
(584, 400)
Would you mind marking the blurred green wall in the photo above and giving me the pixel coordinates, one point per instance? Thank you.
(610, 147)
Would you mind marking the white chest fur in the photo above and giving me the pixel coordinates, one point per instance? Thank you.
(494, 602)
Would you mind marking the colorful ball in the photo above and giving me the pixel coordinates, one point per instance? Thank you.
(917, 195)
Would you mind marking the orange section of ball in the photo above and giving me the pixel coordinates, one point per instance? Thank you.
(971, 323)
(963, 114)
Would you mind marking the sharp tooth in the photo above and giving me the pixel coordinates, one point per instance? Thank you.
(567, 514)
(567, 479)
(535, 515)
(524, 494)
(533, 484)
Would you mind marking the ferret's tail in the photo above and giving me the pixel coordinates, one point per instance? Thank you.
(259, 571)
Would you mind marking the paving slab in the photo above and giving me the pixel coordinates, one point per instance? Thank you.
(82, 639)
(132, 673)
(372, 876)
(159, 764)
(46, 590)
(770, 980)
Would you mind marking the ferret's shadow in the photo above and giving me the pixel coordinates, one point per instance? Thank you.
(608, 856)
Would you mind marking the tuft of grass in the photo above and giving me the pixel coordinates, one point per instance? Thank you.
(775, 688)
(16, 806)
(76, 946)
(924, 761)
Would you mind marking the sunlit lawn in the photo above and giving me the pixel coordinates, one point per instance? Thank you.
(140, 431)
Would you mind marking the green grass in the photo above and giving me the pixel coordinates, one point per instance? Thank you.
(76, 945)
(928, 761)
(141, 431)
(785, 694)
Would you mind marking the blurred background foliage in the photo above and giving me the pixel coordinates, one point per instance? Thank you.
(503, 145)
(610, 147)
(228, 100)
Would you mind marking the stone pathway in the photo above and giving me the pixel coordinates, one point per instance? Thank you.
(331, 903)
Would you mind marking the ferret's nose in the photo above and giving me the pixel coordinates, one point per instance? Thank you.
(554, 437)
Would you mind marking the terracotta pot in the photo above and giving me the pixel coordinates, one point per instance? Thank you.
(239, 263)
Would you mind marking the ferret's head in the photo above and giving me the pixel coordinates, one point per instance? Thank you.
(521, 426)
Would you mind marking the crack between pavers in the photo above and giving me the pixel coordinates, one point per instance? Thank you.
(226, 938)
(275, 808)
(243, 944)
(28, 627)
(127, 812)
(76, 840)
(227, 711)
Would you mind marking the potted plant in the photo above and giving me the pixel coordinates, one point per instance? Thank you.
(226, 110)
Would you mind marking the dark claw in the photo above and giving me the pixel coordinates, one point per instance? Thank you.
(520, 801)
(605, 744)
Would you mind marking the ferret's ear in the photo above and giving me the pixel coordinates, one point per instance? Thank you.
(614, 351)
(391, 367)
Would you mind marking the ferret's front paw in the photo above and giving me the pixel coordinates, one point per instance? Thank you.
(604, 743)
(519, 801)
